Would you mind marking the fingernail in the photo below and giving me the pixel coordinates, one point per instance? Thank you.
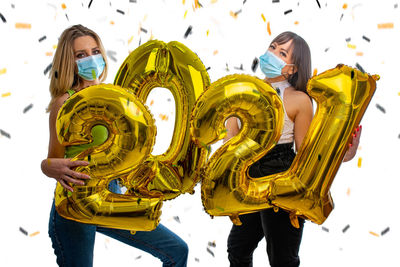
(360, 126)
(350, 145)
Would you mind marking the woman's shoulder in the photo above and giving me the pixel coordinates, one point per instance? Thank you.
(58, 102)
(298, 99)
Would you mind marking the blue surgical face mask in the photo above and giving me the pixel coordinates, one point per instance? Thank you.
(271, 65)
(90, 68)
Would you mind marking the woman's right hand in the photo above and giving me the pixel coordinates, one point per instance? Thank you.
(61, 170)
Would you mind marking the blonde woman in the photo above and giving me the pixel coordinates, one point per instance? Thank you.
(80, 61)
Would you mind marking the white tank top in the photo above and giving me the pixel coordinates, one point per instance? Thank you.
(287, 135)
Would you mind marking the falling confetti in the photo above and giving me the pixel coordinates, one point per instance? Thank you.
(197, 259)
(212, 244)
(359, 54)
(348, 191)
(6, 94)
(239, 68)
(287, 12)
(215, 52)
(351, 46)
(366, 38)
(373, 233)
(111, 55)
(3, 18)
(26, 109)
(348, 39)
(4, 133)
(188, 31)
(344, 6)
(20, 25)
(263, 17)
(47, 69)
(42, 38)
(254, 65)
(176, 218)
(346, 228)
(319, 5)
(325, 229)
(358, 66)
(34, 234)
(209, 251)
(22, 230)
(138, 257)
(3, 71)
(359, 162)
(380, 108)
(385, 231)
(269, 28)
(90, 3)
(275, 1)
(389, 25)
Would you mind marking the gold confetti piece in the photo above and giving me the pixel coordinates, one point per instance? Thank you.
(398, 93)
(54, 47)
(208, 32)
(359, 54)
(112, 22)
(269, 28)
(389, 25)
(373, 233)
(213, 1)
(344, 6)
(63, 6)
(5, 94)
(215, 52)
(183, 2)
(262, 15)
(3, 71)
(296, 23)
(151, 102)
(49, 54)
(348, 191)
(315, 72)
(20, 25)
(184, 16)
(351, 46)
(130, 40)
(35, 233)
(163, 117)
(359, 162)
(233, 14)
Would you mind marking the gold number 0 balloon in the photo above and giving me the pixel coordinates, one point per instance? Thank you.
(342, 94)
(131, 134)
(175, 67)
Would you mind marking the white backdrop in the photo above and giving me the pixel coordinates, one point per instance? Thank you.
(338, 32)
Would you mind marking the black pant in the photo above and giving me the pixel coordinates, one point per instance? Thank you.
(283, 240)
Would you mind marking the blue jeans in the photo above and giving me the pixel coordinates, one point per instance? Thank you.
(73, 242)
(283, 240)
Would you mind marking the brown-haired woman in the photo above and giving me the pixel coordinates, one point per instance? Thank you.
(80, 61)
(287, 67)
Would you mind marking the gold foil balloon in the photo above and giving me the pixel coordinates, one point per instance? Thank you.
(226, 189)
(109, 127)
(175, 67)
(342, 95)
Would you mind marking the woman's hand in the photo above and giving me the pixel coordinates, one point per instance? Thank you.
(61, 170)
(353, 146)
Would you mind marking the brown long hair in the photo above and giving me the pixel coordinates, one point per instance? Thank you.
(64, 73)
(301, 57)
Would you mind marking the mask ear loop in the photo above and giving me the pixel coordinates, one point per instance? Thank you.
(286, 74)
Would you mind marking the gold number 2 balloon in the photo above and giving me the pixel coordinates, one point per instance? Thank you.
(175, 67)
(109, 127)
(342, 95)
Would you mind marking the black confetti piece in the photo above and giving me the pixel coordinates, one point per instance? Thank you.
(341, 17)
(239, 68)
(120, 11)
(348, 39)
(67, 17)
(358, 66)
(238, 12)
(42, 38)
(3, 18)
(287, 12)
(396, 5)
(90, 3)
(380, 108)
(385, 231)
(138, 257)
(197, 259)
(188, 31)
(169, 99)
(325, 229)
(209, 251)
(212, 244)
(22, 230)
(227, 67)
(143, 30)
(132, 1)
(326, 49)
(27, 108)
(275, 1)
(176, 218)
(208, 68)
(319, 5)
(346, 228)
(47, 69)
(254, 65)
(398, 136)
(366, 38)
(12, 5)
(4, 133)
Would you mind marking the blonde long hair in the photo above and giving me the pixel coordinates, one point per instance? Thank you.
(64, 73)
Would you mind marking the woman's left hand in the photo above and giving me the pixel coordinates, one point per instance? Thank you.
(353, 146)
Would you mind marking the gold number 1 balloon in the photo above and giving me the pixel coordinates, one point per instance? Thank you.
(127, 128)
(342, 95)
